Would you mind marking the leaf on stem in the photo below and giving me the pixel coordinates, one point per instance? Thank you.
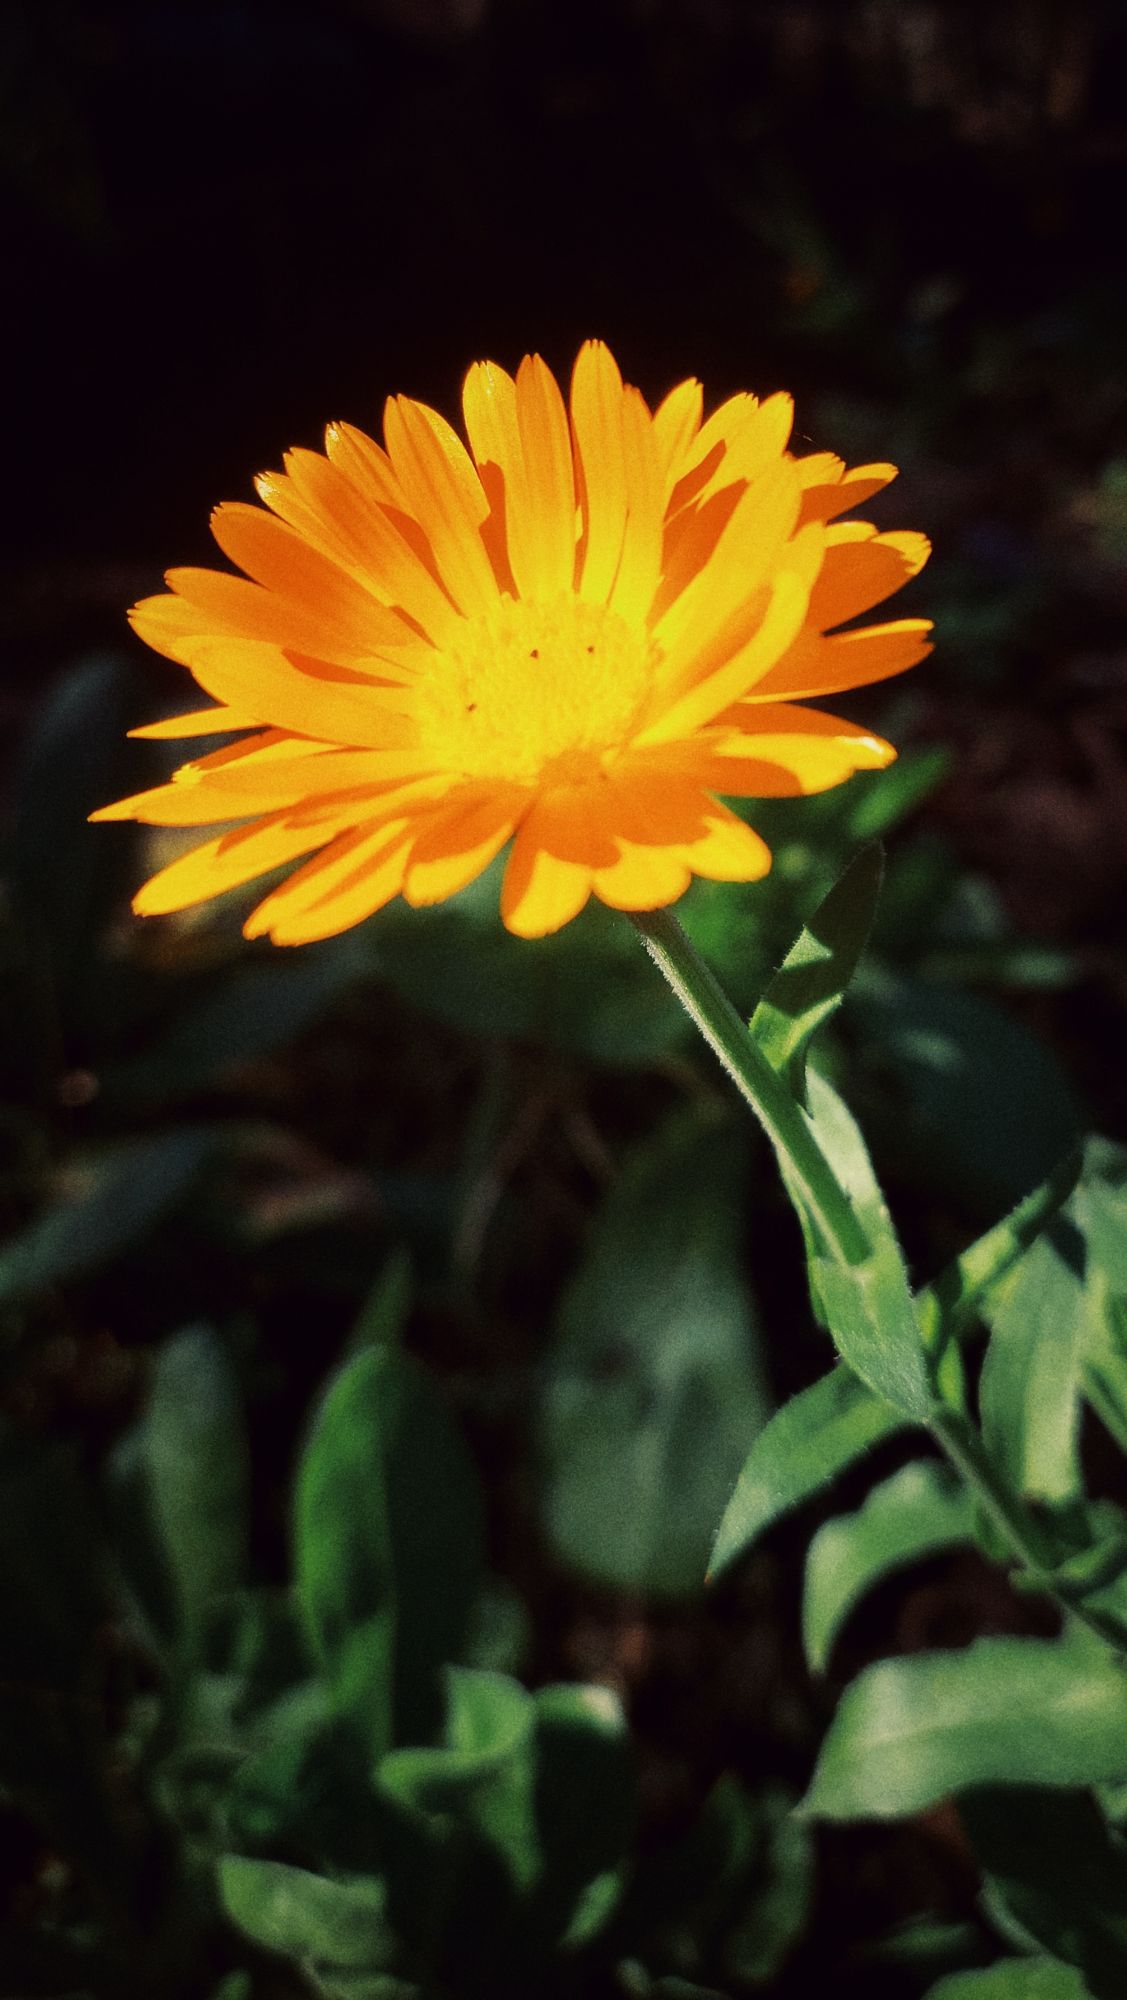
(1031, 1378)
(868, 1307)
(909, 1732)
(810, 1441)
(809, 985)
(918, 1512)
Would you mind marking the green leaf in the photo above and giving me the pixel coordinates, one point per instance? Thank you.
(655, 1386)
(1100, 1209)
(732, 1894)
(236, 1986)
(811, 1440)
(1006, 1711)
(812, 979)
(867, 1307)
(780, 1905)
(921, 1510)
(384, 1312)
(883, 801)
(950, 1306)
(1031, 1377)
(331, 1929)
(109, 1201)
(1105, 1359)
(193, 1448)
(481, 1777)
(584, 1807)
(638, 1984)
(460, 1838)
(1055, 1868)
(1014, 1979)
(388, 1545)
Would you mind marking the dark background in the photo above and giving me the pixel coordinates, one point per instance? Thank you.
(222, 226)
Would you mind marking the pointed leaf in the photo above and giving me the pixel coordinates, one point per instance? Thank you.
(948, 1308)
(387, 1545)
(1006, 1711)
(817, 1435)
(921, 1510)
(868, 1306)
(809, 984)
(481, 1776)
(1031, 1377)
(193, 1447)
(333, 1930)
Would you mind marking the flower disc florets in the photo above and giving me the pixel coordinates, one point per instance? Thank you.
(534, 692)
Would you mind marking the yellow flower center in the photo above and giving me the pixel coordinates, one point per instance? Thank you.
(534, 692)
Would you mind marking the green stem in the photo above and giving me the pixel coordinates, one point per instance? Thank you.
(781, 1117)
(962, 1446)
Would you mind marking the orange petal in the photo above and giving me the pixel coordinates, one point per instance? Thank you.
(676, 423)
(727, 667)
(746, 555)
(260, 680)
(245, 787)
(830, 490)
(345, 518)
(860, 569)
(738, 444)
(285, 563)
(489, 408)
(639, 564)
(348, 881)
(169, 626)
(816, 666)
(548, 561)
(226, 863)
(454, 846)
(728, 851)
(540, 892)
(446, 497)
(365, 463)
(596, 415)
(229, 605)
(643, 878)
(201, 722)
(811, 750)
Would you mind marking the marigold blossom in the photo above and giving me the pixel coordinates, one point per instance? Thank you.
(577, 635)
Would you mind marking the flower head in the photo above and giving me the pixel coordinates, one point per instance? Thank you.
(577, 636)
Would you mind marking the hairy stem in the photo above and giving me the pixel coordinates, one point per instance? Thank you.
(781, 1117)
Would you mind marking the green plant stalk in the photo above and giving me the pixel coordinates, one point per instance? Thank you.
(781, 1117)
(962, 1446)
(813, 1179)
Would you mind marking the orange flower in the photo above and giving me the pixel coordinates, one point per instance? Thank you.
(572, 636)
